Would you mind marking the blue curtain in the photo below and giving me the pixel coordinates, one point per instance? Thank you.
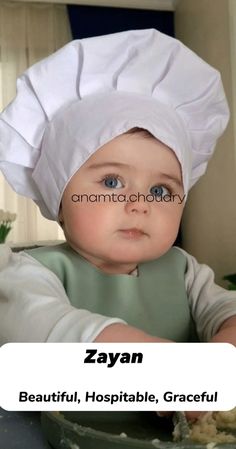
(88, 21)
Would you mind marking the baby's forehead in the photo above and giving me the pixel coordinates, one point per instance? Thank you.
(127, 143)
(133, 152)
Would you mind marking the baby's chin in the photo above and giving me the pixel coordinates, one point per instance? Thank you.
(139, 251)
(131, 257)
(122, 253)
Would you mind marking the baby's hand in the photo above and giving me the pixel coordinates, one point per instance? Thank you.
(192, 416)
(226, 333)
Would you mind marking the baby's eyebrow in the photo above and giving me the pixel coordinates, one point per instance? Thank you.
(109, 164)
(171, 177)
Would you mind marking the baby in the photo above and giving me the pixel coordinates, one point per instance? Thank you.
(118, 232)
(121, 127)
(118, 236)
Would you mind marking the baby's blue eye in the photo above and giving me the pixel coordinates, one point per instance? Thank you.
(159, 191)
(111, 181)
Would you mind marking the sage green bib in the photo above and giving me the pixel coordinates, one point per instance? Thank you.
(154, 301)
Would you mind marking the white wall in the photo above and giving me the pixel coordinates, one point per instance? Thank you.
(209, 224)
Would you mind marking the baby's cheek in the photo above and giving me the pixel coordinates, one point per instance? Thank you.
(174, 213)
(86, 217)
(169, 224)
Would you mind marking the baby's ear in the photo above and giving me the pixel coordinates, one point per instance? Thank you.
(60, 216)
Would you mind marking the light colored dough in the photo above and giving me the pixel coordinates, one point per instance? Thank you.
(214, 427)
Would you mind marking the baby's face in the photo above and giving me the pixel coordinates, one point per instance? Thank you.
(139, 176)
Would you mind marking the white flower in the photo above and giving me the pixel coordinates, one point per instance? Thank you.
(6, 216)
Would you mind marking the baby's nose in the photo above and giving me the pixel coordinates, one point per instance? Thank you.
(139, 206)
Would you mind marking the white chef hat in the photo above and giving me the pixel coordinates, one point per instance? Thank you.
(70, 104)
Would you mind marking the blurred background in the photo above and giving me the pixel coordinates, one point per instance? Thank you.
(30, 31)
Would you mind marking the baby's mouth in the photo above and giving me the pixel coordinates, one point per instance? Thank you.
(132, 233)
